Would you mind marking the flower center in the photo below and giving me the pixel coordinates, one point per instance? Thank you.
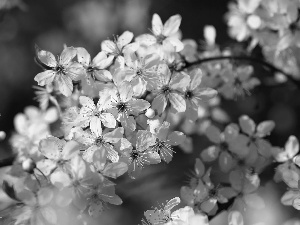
(162, 146)
(166, 89)
(213, 192)
(90, 69)
(122, 107)
(99, 141)
(160, 39)
(60, 69)
(139, 72)
(134, 154)
(188, 95)
(224, 146)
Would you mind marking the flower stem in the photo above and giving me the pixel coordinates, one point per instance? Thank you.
(7, 161)
(270, 66)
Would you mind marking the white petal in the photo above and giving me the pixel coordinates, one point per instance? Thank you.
(83, 56)
(157, 25)
(172, 25)
(124, 39)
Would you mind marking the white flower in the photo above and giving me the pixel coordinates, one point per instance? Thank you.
(187, 216)
(165, 36)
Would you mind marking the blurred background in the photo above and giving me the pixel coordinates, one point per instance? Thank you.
(85, 23)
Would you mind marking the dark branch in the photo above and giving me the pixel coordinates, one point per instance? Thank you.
(245, 58)
(7, 161)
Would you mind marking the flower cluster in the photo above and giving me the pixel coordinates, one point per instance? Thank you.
(274, 25)
(112, 120)
(116, 113)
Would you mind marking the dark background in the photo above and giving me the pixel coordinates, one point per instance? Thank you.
(50, 24)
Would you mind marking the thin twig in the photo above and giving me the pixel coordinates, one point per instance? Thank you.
(7, 161)
(245, 58)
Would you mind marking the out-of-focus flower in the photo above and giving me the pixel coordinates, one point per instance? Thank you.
(31, 127)
(2, 135)
(195, 94)
(165, 36)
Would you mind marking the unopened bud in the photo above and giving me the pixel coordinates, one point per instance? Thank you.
(210, 34)
(28, 165)
(150, 113)
(254, 22)
(2, 135)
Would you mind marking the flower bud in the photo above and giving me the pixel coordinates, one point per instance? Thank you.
(254, 22)
(210, 34)
(28, 165)
(150, 113)
(2, 135)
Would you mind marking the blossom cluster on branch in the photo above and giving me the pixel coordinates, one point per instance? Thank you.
(102, 117)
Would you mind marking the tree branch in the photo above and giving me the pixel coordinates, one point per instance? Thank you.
(7, 161)
(273, 68)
